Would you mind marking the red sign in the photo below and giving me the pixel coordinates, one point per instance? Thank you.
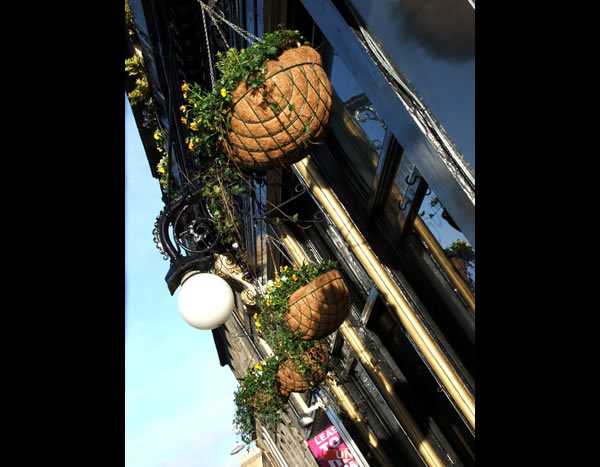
(329, 449)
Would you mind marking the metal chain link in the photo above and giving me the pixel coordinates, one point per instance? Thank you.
(213, 14)
(210, 65)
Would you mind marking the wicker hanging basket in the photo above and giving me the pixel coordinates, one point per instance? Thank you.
(262, 399)
(292, 380)
(461, 267)
(318, 308)
(276, 124)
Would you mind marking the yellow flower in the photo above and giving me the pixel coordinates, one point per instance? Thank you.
(183, 120)
(184, 87)
(194, 126)
(191, 145)
(268, 302)
(157, 135)
(294, 277)
(255, 316)
(258, 324)
(223, 92)
(182, 108)
(295, 267)
(258, 367)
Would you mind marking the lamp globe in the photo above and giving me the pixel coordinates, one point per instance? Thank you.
(205, 301)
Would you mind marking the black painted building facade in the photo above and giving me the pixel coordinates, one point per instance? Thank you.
(392, 182)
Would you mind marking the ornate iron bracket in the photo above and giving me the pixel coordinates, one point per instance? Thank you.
(192, 230)
(229, 269)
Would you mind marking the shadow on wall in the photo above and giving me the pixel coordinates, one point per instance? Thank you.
(444, 28)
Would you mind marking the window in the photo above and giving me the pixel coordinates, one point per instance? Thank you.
(431, 45)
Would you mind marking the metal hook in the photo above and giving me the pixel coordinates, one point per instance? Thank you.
(408, 182)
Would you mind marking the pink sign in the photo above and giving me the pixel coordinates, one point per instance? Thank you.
(329, 449)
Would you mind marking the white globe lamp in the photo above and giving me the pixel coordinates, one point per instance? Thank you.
(205, 301)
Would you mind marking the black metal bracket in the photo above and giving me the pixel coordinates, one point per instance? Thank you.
(169, 217)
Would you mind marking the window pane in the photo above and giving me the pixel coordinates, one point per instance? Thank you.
(357, 127)
(446, 232)
(431, 45)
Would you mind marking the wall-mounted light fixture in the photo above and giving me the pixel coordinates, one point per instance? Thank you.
(205, 299)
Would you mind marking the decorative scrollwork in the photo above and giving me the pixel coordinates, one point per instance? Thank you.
(227, 268)
(156, 235)
(194, 232)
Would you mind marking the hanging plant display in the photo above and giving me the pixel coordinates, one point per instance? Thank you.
(305, 372)
(312, 300)
(318, 308)
(297, 365)
(462, 256)
(275, 124)
(258, 397)
(270, 106)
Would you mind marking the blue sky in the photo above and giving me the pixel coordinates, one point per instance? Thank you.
(178, 399)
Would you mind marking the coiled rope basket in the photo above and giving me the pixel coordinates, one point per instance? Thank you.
(291, 379)
(318, 308)
(276, 124)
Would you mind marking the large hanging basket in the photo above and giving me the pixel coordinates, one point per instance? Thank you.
(276, 124)
(292, 380)
(318, 308)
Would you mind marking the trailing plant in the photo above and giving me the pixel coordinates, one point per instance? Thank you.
(129, 23)
(259, 396)
(274, 305)
(135, 67)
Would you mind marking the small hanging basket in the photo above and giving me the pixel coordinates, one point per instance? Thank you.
(264, 399)
(276, 124)
(291, 379)
(461, 267)
(318, 308)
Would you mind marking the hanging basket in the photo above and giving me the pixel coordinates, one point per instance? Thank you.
(318, 308)
(276, 124)
(263, 399)
(461, 267)
(292, 380)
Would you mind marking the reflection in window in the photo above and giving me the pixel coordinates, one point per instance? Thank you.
(359, 130)
(431, 45)
(447, 233)
(434, 216)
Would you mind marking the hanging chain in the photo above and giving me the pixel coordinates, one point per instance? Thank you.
(214, 15)
(210, 65)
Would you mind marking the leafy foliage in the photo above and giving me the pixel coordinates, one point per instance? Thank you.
(207, 112)
(274, 305)
(461, 249)
(258, 395)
